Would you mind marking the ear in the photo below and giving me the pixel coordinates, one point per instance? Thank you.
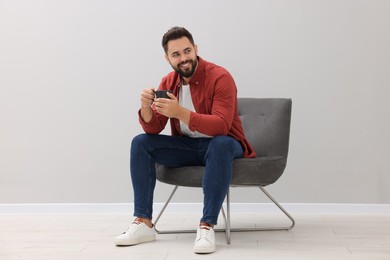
(196, 49)
(166, 57)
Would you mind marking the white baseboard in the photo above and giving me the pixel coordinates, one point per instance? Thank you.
(236, 208)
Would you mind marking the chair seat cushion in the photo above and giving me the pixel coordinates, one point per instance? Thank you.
(259, 171)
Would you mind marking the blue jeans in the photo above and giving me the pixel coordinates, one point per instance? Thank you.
(216, 154)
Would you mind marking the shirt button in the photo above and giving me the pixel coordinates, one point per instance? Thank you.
(197, 83)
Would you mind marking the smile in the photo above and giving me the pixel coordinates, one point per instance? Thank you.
(185, 65)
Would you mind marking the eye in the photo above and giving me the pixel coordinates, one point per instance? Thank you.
(187, 51)
(174, 55)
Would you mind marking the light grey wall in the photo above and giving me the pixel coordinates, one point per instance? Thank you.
(71, 73)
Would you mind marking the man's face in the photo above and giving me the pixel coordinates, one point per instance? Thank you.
(182, 56)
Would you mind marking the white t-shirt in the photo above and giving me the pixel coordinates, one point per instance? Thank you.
(185, 100)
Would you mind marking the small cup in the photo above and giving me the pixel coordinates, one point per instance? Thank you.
(162, 93)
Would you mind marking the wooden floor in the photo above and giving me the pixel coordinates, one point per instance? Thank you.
(90, 236)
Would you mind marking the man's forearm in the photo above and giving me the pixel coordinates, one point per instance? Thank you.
(146, 114)
(184, 115)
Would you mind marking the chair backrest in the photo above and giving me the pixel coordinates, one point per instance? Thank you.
(266, 123)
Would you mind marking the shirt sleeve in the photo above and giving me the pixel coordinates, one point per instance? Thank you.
(158, 121)
(155, 125)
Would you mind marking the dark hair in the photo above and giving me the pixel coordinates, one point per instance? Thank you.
(175, 33)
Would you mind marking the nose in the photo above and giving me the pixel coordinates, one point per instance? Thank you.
(183, 58)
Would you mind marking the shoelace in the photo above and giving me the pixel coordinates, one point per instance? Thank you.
(204, 231)
(133, 226)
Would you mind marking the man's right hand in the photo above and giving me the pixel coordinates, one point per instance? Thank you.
(147, 98)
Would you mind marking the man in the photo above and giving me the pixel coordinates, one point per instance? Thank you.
(206, 130)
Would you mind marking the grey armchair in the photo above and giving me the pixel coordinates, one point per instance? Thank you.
(266, 123)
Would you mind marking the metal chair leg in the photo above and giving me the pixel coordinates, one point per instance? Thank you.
(162, 211)
(226, 217)
(160, 214)
(180, 231)
(281, 208)
(269, 228)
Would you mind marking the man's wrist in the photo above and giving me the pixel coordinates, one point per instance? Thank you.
(146, 114)
(184, 115)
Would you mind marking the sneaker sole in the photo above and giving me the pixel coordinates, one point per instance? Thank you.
(134, 241)
(204, 250)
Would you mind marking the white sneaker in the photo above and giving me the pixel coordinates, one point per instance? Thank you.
(205, 240)
(137, 233)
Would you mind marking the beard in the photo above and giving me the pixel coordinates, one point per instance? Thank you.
(186, 72)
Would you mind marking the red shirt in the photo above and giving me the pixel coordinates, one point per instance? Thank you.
(214, 95)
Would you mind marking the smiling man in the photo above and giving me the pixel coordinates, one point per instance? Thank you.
(206, 130)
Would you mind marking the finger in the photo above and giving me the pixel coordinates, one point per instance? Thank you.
(150, 91)
(171, 95)
(147, 95)
(160, 110)
(158, 103)
(163, 100)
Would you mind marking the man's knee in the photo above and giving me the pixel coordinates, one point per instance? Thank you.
(222, 144)
(141, 139)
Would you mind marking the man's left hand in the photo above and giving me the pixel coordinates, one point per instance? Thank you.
(167, 107)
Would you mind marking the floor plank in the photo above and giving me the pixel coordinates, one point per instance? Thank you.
(90, 236)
